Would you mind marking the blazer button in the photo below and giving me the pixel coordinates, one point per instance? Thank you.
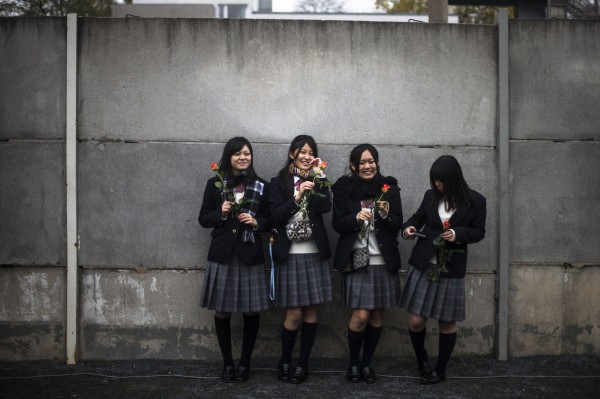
(233, 231)
(380, 245)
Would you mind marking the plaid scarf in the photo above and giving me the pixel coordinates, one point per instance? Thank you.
(250, 204)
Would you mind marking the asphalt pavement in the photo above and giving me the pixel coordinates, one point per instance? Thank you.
(468, 377)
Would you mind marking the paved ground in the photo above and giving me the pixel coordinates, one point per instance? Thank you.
(468, 377)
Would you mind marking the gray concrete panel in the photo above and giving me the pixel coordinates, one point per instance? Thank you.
(554, 310)
(32, 204)
(32, 312)
(32, 77)
(199, 80)
(128, 315)
(554, 84)
(139, 203)
(554, 204)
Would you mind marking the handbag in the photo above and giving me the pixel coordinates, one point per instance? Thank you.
(358, 259)
(299, 231)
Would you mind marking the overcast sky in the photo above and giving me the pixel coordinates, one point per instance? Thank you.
(349, 5)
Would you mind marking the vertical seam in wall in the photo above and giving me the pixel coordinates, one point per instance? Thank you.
(503, 155)
(71, 186)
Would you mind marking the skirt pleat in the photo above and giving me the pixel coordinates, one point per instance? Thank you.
(443, 300)
(303, 280)
(373, 287)
(234, 287)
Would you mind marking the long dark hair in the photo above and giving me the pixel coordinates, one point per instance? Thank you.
(234, 145)
(285, 182)
(456, 190)
(356, 154)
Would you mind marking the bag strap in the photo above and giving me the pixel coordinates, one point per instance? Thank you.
(272, 290)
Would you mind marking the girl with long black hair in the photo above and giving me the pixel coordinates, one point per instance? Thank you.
(235, 206)
(367, 213)
(298, 198)
(450, 216)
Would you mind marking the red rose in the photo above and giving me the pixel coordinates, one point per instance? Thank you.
(214, 166)
(446, 224)
(323, 165)
(385, 188)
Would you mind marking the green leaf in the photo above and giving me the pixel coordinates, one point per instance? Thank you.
(218, 184)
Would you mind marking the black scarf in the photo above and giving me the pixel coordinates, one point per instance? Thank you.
(356, 188)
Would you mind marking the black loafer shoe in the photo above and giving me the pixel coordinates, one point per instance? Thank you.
(242, 374)
(353, 375)
(283, 371)
(299, 375)
(424, 369)
(228, 373)
(368, 374)
(433, 378)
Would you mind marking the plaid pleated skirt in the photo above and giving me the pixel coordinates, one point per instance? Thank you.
(302, 280)
(441, 301)
(373, 287)
(234, 287)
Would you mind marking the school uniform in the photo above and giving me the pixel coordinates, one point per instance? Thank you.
(377, 286)
(443, 300)
(302, 267)
(234, 278)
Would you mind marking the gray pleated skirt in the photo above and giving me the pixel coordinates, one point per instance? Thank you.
(373, 287)
(234, 287)
(441, 301)
(302, 280)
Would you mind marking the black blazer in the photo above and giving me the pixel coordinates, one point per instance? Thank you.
(283, 207)
(386, 230)
(226, 238)
(467, 222)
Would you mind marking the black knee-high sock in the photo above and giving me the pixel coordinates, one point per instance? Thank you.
(372, 335)
(355, 343)
(447, 342)
(418, 342)
(308, 334)
(223, 328)
(288, 339)
(251, 324)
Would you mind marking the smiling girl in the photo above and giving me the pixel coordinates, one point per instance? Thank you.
(301, 250)
(367, 213)
(235, 206)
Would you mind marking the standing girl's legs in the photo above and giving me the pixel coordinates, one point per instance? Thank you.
(307, 339)
(293, 318)
(251, 325)
(289, 330)
(447, 341)
(364, 329)
(418, 331)
(223, 329)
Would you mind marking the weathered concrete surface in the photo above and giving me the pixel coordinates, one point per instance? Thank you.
(183, 87)
(554, 310)
(123, 220)
(554, 85)
(204, 80)
(32, 312)
(554, 195)
(156, 314)
(32, 77)
(32, 204)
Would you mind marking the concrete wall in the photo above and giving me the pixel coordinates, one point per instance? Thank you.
(158, 98)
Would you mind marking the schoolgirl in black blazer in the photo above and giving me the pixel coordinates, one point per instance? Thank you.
(298, 199)
(235, 206)
(367, 212)
(434, 285)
